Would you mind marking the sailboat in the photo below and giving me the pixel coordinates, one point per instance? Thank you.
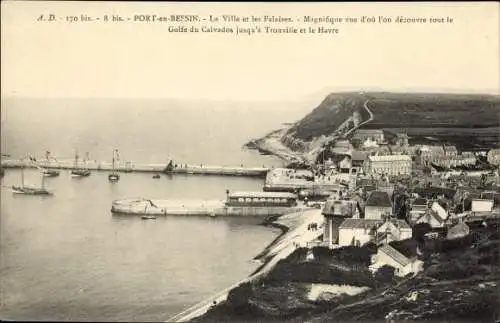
(46, 171)
(23, 189)
(147, 216)
(79, 172)
(114, 176)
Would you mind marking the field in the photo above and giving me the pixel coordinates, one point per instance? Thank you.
(464, 138)
(465, 119)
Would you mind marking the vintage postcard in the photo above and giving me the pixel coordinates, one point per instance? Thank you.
(250, 162)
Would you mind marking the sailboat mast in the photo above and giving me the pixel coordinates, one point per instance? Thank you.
(113, 161)
(43, 182)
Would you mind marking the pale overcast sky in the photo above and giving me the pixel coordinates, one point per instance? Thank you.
(145, 61)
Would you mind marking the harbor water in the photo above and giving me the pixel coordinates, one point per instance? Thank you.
(66, 257)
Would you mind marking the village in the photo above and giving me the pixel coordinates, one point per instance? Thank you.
(375, 188)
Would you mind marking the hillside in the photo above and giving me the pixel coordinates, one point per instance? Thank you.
(460, 282)
(445, 116)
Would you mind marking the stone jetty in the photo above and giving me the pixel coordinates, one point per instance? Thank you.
(199, 169)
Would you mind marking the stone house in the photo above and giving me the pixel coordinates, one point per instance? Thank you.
(393, 230)
(404, 261)
(357, 232)
(377, 204)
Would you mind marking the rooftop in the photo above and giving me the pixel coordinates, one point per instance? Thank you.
(379, 198)
(262, 194)
(369, 131)
(359, 223)
(359, 155)
(390, 158)
(420, 201)
(394, 254)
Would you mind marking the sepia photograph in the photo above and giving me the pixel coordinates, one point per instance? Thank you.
(250, 161)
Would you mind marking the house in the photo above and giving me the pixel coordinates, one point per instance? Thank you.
(334, 212)
(359, 158)
(404, 260)
(377, 204)
(494, 156)
(459, 230)
(341, 208)
(357, 232)
(393, 230)
(418, 208)
(435, 216)
(481, 205)
(390, 164)
(363, 135)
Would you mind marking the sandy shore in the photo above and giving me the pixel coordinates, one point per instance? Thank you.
(271, 144)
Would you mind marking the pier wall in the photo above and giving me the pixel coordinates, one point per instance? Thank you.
(199, 208)
(148, 168)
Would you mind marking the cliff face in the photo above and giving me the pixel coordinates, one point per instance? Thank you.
(336, 114)
(339, 114)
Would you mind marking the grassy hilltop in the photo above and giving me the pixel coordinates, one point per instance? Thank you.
(461, 119)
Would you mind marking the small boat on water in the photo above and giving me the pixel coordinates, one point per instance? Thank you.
(146, 216)
(46, 171)
(79, 172)
(50, 172)
(114, 176)
(26, 190)
(156, 176)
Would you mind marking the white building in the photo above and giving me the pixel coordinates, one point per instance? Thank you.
(377, 204)
(435, 217)
(393, 230)
(335, 211)
(357, 232)
(418, 208)
(375, 135)
(390, 164)
(388, 256)
(481, 205)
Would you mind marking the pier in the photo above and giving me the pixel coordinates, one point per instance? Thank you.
(187, 169)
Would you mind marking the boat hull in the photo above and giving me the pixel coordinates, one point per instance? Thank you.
(113, 177)
(80, 173)
(50, 173)
(30, 191)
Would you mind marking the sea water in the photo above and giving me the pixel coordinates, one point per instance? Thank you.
(66, 257)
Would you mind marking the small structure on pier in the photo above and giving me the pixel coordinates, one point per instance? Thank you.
(261, 199)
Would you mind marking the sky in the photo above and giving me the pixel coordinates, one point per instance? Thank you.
(143, 60)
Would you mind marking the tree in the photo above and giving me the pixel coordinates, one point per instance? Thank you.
(385, 274)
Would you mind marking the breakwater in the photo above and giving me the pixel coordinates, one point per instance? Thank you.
(193, 207)
(188, 169)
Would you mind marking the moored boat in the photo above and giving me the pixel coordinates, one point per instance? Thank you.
(26, 190)
(114, 176)
(79, 172)
(50, 172)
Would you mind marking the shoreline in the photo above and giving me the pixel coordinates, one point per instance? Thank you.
(280, 248)
(271, 144)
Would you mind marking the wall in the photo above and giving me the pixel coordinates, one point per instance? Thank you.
(482, 205)
(375, 212)
(346, 236)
